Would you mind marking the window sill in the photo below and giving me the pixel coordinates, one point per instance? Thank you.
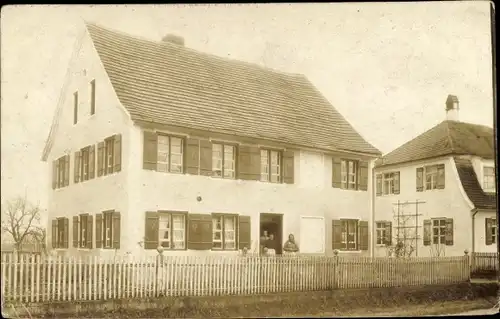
(349, 251)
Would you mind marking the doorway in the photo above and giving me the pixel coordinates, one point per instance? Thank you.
(272, 224)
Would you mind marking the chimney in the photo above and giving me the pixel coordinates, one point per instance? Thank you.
(452, 108)
(175, 39)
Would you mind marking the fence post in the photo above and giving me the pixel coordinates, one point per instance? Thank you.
(468, 264)
(159, 264)
(336, 277)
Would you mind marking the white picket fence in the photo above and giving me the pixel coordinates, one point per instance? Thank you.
(42, 279)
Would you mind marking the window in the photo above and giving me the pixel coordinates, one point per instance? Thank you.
(388, 183)
(170, 154)
(109, 155)
(433, 177)
(439, 231)
(489, 179)
(92, 97)
(223, 161)
(75, 107)
(270, 166)
(107, 227)
(348, 173)
(349, 234)
(491, 231)
(61, 172)
(83, 231)
(172, 230)
(384, 235)
(224, 232)
(60, 232)
(107, 230)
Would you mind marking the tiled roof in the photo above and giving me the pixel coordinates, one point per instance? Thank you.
(446, 138)
(170, 84)
(473, 189)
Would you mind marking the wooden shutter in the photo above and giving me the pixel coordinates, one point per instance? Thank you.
(66, 170)
(364, 238)
(336, 172)
(116, 232)
(98, 231)
(66, 233)
(89, 232)
(91, 161)
(488, 223)
(440, 177)
(337, 234)
(100, 158)
(427, 232)
(75, 231)
(244, 227)
(200, 231)
(379, 184)
(54, 233)
(76, 169)
(420, 179)
(249, 163)
(54, 174)
(449, 232)
(363, 175)
(288, 167)
(192, 157)
(151, 228)
(117, 153)
(205, 157)
(388, 233)
(396, 182)
(150, 150)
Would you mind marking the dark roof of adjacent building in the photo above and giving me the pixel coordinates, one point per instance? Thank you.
(446, 138)
(473, 189)
(167, 83)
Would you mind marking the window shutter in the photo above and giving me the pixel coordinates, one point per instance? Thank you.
(449, 232)
(75, 231)
(420, 180)
(288, 167)
(364, 238)
(488, 231)
(100, 159)
(98, 231)
(66, 170)
(76, 169)
(54, 174)
(336, 234)
(440, 177)
(388, 233)
(117, 153)
(363, 175)
(205, 157)
(91, 161)
(427, 232)
(116, 230)
(245, 238)
(249, 163)
(379, 184)
(54, 233)
(151, 229)
(90, 231)
(336, 172)
(66, 233)
(192, 156)
(396, 182)
(200, 232)
(150, 151)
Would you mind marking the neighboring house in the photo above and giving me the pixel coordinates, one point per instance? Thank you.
(155, 144)
(436, 193)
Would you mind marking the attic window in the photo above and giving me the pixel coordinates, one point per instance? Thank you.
(489, 179)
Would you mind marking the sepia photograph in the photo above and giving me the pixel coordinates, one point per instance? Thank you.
(249, 160)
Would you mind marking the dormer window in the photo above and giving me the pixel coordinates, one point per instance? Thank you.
(489, 179)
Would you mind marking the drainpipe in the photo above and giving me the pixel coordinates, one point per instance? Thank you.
(474, 230)
(372, 211)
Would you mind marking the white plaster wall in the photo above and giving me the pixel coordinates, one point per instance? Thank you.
(449, 202)
(478, 164)
(480, 232)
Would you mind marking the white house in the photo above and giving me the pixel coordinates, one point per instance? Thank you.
(436, 194)
(154, 143)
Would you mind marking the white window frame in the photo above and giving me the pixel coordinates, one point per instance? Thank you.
(494, 231)
(84, 163)
(431, 172)
(223, 161)
(438, 224)
(82, 230)
(346, 232)
(489, 179)
(107, 230)
(222, 242)
(61, 171)
(389, 178)
(109, 155)
(170, 243)
(271, 166)
(167, 165)
(349, 173)
(381, 231)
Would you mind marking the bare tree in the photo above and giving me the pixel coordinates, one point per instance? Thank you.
(21, 220)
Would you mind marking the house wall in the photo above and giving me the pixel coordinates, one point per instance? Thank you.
(449, 202)
(310, 195)
(480, 232)
(101, 193)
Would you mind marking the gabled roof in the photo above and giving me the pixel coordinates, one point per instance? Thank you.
(166, 83)
(473, 189)
(446, 138)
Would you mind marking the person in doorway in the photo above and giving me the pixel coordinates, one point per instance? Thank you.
(271, 245)
(263, 242)
(290, 246)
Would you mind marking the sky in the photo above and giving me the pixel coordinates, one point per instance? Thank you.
(386, 67)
